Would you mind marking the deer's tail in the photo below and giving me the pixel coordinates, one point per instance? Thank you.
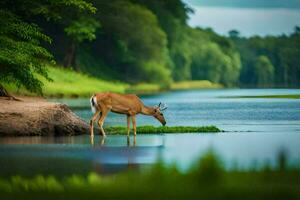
(93, 101)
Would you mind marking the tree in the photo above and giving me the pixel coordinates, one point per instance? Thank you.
(264, 71)
(138, 46)
(79, 30)
(297, 29)
(172, 16)
(234, 34)
(213, 57)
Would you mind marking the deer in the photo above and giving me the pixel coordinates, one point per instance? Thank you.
(126, 104)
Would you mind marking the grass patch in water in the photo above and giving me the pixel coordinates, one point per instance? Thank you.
(164, 129)
(284, 96)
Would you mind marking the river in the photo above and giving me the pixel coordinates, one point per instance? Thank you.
(255, 131)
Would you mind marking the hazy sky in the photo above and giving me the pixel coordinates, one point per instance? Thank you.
(250, 17)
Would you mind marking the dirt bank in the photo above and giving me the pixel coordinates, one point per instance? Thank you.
(36, 116)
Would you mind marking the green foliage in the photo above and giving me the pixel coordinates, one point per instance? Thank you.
(82, 29)
(234, 34)
(164, 129)
(21, 54)
(264, 71)
(214, 58)
(140, 43)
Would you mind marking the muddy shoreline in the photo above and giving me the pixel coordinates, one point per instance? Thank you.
(33, 116)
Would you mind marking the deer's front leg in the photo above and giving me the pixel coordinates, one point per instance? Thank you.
(134, 124)
(128, 125)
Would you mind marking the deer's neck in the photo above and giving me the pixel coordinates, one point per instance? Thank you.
(147, 110)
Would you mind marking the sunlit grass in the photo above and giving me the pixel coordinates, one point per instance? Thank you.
(68, 83)
(197, 84)
(164, 129)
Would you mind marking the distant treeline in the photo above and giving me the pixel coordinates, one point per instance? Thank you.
(136, 41)
(271, 61)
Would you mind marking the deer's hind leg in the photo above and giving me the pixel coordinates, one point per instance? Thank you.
(92, 122)
(104, 112)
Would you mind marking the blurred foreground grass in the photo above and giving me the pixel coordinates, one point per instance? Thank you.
(207, 179)
(164, 129)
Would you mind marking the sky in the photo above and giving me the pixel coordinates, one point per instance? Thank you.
(249, 17)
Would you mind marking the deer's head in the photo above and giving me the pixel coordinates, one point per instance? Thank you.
(158, 113)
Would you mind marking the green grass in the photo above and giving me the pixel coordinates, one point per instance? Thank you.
(288, 96)
(199, 84)
(163, 129)
(207, 179)
(68, 83)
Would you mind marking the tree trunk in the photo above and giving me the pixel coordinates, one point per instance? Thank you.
(70, 58)
(4, 93)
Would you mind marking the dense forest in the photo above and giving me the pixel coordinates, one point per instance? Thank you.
(136, 41)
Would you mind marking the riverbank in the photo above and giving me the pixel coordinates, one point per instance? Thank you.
(71, 84)
(34, 116)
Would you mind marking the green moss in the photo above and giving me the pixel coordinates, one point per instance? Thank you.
(164, 129)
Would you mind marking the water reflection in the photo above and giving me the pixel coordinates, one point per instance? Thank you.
(128, 141)
(38, 140)
(103, 139)
(101, 142)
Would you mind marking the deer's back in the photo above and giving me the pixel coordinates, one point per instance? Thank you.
(120, 103)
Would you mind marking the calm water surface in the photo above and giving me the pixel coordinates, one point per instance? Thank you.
(256, 130)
